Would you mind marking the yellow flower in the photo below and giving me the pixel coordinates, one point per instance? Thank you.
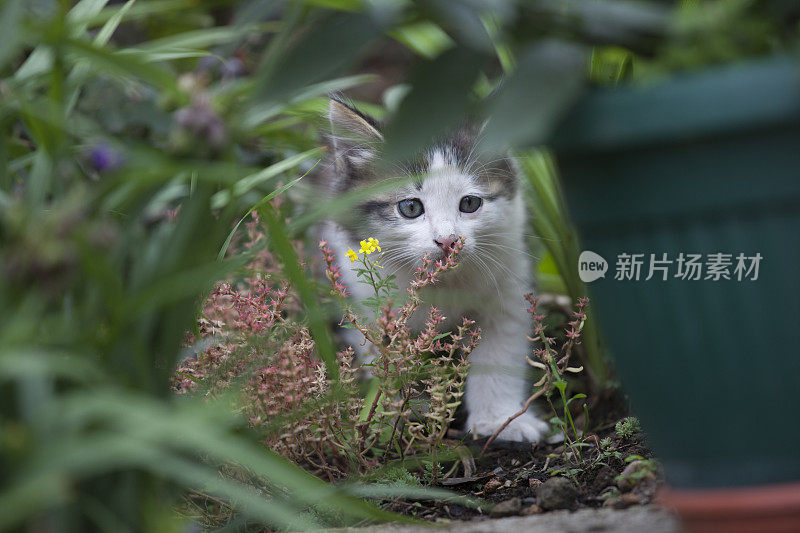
(351, 255)
(370, 245)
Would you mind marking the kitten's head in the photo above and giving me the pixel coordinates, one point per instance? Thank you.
(453, 191)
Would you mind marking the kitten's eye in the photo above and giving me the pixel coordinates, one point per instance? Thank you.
(411, 208)
(470, 204)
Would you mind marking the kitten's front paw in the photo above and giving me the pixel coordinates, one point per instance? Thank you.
(524, 428)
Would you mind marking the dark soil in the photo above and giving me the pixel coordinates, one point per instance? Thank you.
(509, 471)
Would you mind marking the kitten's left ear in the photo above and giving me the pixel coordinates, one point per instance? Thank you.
(353, 135)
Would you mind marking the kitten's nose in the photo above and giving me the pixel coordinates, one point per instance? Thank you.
(445, 243)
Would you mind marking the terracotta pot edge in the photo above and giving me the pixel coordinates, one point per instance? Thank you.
(774, 499)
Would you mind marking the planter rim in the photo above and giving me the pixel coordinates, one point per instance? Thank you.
(756, 509)
(773, 499)
(740, 96)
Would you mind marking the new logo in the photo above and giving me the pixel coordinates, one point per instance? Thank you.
(591, 266)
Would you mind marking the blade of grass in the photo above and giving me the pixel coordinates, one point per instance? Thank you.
(250, 182)
(10, 24)
(81, 68)
(128, 66)
(550, 222)
(317, 322)
(263, 201)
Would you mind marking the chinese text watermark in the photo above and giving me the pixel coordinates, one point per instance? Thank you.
(716, 266)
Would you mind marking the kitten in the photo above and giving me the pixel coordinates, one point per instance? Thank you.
(455, 195)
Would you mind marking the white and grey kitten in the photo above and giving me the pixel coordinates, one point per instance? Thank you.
(455, 194)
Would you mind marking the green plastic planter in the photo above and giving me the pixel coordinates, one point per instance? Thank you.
(707, 163)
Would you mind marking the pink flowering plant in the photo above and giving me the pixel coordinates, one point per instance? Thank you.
(553, 359)
(250, 338)
(418, 377)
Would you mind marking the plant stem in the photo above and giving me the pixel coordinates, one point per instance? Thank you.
(519, 413)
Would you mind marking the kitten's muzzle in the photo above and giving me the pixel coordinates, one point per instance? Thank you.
(446, 243)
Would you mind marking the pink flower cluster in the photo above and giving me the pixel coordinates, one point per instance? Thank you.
(253, 339)
(427, 275)
(538, 328)
(285, 385)
(578, 317)
(333, 271)
(258, 308)
(411, 368)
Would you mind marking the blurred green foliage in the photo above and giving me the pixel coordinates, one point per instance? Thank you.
(133, 138)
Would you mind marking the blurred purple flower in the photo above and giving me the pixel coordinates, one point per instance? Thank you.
(208, 63)
(232, 68)
(104, 158)
(200, 119)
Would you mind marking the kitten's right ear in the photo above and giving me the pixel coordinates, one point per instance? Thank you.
(353, 135)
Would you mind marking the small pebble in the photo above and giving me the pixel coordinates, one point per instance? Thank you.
(497, 470)
(506, 508)
(626, 482)
(492, 486)
(557, 493)
(455, 510)
(531, 509)
(623, 501)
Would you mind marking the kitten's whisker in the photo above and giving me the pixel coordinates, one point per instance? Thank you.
(486, 250)
(509, 248)
(475, 259)
(507, 270)
(482, 264)
(399, 259)
(525, 235)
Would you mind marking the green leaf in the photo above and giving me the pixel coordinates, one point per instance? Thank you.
(40, 61)
(142, 10)
(23, 363)
(413, 492)
(263, 201)
(102, 38)
(111, 26)
(463, 18)
(11, 21)
(439, 98)
(250, 182)
(317, 321)
(196, 40)
(425, 38)
(343, 203)
(82, 12)
(261, 112)
(550, 77)
(102, 60)
(576, 397)
(321, 52)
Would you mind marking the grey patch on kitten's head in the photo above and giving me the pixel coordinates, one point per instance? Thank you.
(450, 170)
